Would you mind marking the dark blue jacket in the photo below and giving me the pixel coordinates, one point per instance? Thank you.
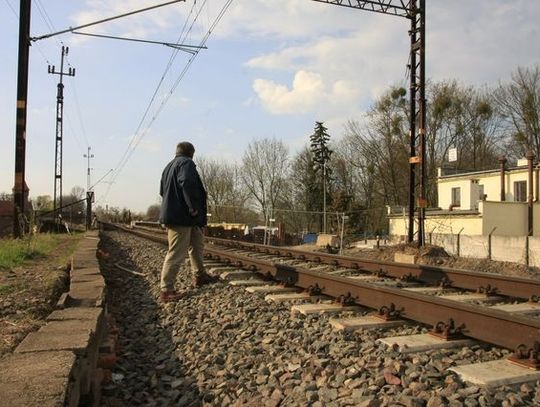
(182, 190)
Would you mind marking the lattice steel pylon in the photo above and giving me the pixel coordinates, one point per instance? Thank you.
(59, 131)
(415, 11)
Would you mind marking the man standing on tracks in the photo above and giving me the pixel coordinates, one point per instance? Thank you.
(183, 212)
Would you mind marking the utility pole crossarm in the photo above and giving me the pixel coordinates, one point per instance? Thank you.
(398, 8)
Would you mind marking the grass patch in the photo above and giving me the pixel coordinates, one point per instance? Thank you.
(6, 289)
(16, 252)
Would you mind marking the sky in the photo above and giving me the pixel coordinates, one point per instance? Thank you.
(271, 69)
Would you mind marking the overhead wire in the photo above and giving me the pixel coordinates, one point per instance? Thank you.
(173, 56)
(50, 25)
(181, 76)
(138, 137)
(48, 22)
(12, 9)
(16, 14)
(79, 113)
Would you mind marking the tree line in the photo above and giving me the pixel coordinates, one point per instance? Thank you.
(366, 169)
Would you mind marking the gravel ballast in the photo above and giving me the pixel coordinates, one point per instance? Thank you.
(222, 346)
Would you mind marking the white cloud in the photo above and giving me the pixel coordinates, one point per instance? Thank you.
(357, 55)
(149, 145)
(284, 19)
(308, 92)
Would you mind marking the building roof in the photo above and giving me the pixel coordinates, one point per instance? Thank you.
(476, 174)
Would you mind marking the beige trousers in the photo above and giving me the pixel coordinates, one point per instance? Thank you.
(182, 239)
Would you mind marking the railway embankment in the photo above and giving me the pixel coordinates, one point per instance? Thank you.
(63, 362)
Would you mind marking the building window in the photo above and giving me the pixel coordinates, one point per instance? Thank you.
(456, 196)
(520, 191)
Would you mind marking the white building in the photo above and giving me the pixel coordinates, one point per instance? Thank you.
(492, 202)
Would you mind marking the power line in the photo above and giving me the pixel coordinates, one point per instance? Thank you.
(179, 79)
(78, 112)
(17, 17)
(71, 29)
(181, 47)
(126, 155)
(139, 136)
(12, 9)
(48, 22)
(181, 37)
(44, 15)
(74, 133)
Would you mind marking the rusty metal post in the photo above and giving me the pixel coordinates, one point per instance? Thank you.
(20, 133)
(412, 124)
(422, 199)
(489, 242)
(530, 157)
(89, 200)
(417, 129)
(459, 242)
(502, 161)
(58, 155)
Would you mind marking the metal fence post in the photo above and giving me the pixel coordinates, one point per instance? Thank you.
(527, 247)
(489, 242)
(459, 242)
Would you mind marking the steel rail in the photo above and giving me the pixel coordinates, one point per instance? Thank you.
(482, 323)
(518, 287)
(492, 326)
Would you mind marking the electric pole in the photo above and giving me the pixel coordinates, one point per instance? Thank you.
(88, 156)
(20, 131)
(415, 12)
(59, 130)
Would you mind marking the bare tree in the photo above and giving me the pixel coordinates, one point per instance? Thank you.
(223, 185)
(264, 172)
(519, 104)
(152, 213)
(464, 118)
(43, 203)
(74, 208)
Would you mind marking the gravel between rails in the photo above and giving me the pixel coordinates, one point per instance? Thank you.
(222, 346)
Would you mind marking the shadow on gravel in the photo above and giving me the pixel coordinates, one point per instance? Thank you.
(148, 371)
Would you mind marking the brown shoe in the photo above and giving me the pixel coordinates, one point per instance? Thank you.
(170, 296)
(205, 278)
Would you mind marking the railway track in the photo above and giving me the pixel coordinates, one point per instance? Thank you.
(395, 291)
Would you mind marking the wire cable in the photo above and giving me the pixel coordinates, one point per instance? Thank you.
(140, 135)
(12, 9)
(40, 50)
(173, 56)
(71, 29)
(180, 77)
(47, 20)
